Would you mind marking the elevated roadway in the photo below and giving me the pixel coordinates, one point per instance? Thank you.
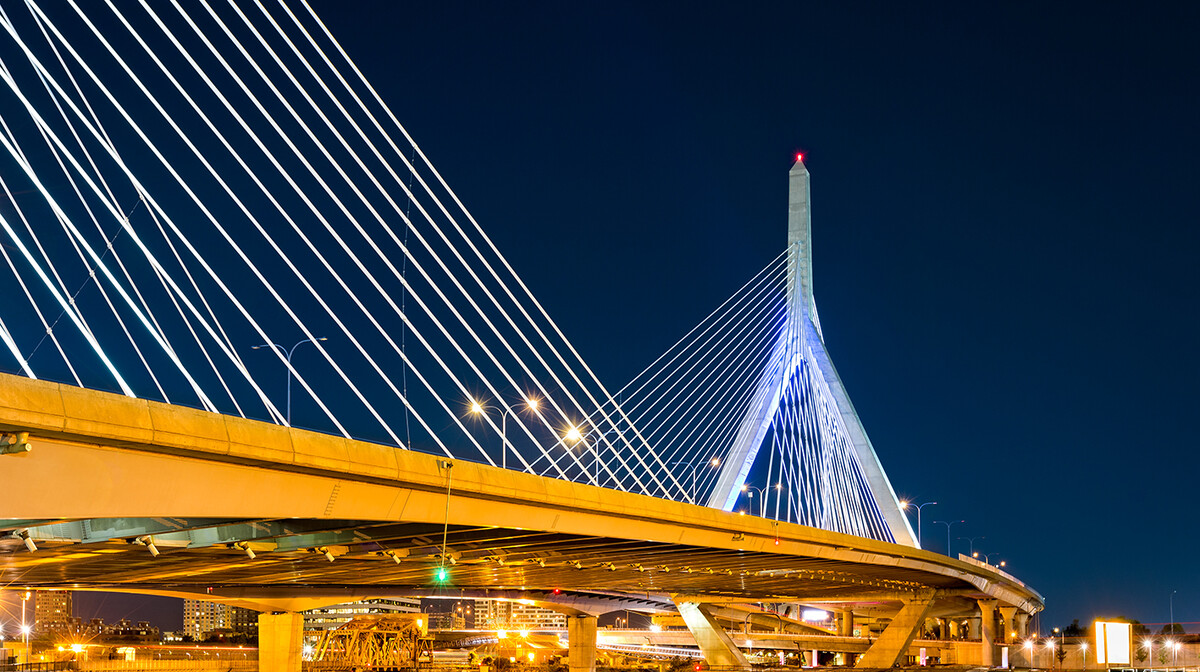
(132, 495)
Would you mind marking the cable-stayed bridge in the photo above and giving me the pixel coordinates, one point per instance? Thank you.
(194, 190)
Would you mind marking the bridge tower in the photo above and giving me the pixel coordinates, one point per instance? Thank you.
(800, 339)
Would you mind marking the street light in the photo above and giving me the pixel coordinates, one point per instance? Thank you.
(750, 490)
(971, 541)
(25, 626)
(918, 507)
(288, 353)
(986, 556)
(479, 409)
(573, 435)
(948, 526)
(695, 465)
(595, 443)
(1173, 611)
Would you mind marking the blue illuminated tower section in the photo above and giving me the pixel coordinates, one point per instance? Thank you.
(800, 344)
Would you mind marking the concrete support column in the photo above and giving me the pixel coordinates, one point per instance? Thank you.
(280, 641)
(1009, 615)
(973, 625)
(581, 640)
(987, 635)
(1022, 624)
(954, 627)
(846, 624)
(892, 645)
(714, 643)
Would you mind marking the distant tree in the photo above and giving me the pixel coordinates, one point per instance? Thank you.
(1139, 630)
(1163, 657)
(1074, 629)
(1141, 652)
(1061, 654)
(1171, 629)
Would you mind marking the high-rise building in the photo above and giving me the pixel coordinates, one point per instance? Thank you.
(243, 621)
(201, 617)
(52, 612)
(335, 616)
(504, 614)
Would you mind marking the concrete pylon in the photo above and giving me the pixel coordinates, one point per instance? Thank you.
(280, 642)
(1009, 615)
(1021, 621)
(895, 639)
(714, 643)
(987, 633)
(802, 327)
(846, 623)
(581, 643)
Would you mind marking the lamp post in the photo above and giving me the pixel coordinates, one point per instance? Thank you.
(778, 496)
(1173, 611)
(750, 490)
(479, 409)
(971, 541)
(714, 462)
(288, 354)
(595, 443)
(918, 507)
(986, 558)
(948, 526)
(24, 625)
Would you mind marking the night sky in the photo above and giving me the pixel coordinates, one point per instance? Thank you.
(1004, 225)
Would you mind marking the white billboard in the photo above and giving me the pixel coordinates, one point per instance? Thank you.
(1114, 643)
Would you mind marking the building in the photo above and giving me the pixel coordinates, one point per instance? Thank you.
(446, 620)
(518, 615)
(337, 615)
(202, 620)
(52, 612)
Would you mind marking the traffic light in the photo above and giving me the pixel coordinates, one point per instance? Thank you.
(442, 574)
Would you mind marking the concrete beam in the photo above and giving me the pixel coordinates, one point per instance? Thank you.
(893, 643)
(716, 645)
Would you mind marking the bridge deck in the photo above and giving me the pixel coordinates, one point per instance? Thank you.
(106, 470)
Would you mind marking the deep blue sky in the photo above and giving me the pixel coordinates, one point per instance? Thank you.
(1004, 222)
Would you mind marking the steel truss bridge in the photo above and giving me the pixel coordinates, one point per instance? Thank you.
(191, 189)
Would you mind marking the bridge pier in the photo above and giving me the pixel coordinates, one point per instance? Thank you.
(280, 642)
(581, 643)
(846, 623)
(987, 632)
(1010, 624)
(894, 641)
(716, 645)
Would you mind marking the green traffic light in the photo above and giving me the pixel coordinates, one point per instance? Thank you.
(442, 574)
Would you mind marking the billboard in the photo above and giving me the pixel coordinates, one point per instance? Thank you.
(1114, 643)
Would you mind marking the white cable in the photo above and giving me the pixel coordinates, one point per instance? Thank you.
(133, 179)
(438, 201)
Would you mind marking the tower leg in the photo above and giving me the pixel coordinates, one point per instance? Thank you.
(893, 643)
(716, 645)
